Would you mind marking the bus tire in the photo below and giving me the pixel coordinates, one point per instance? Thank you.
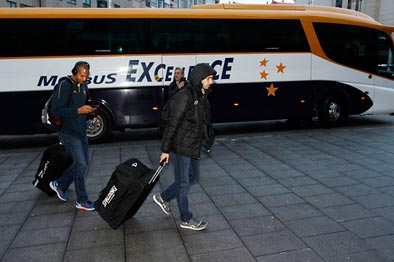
(332, 111)
(98, 128)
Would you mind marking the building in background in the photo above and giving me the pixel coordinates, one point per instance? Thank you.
(380, 10)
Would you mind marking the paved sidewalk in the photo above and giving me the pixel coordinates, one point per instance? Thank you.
(309, 195)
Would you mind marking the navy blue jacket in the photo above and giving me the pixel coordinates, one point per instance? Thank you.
(68, 96)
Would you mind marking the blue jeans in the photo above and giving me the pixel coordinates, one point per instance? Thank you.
(186, 173)
(77, 148)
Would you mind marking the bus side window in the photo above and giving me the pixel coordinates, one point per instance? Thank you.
(353, 46)
(385, 56)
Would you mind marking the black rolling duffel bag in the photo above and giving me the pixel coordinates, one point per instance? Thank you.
(126, 191)
(54, 162)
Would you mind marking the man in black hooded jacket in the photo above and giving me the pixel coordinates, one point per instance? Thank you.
(188, 129)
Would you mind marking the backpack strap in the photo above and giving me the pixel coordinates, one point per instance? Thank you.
(60, 85)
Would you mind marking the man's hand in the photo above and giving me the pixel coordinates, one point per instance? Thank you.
(181, 84)
(86, 109)
(165, 156)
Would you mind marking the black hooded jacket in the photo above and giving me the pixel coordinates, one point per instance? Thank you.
(189, 123)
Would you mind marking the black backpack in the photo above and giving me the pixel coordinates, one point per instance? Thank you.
(51, 122)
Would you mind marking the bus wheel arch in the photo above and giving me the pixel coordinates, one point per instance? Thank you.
(99, 126)
(333, 109)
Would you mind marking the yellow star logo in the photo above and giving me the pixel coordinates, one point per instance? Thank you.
(281, 68)
(264, 75)
(264, 62)
(271, 90)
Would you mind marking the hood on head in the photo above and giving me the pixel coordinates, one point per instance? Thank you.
(199, 72)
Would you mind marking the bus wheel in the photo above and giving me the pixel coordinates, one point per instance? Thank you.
(98, 127)
(332, 111)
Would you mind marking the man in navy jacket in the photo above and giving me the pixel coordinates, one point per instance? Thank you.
(69, 103)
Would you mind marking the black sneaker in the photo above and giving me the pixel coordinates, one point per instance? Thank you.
(194, 224)
(165, 206)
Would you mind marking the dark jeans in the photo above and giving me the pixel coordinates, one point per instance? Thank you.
(77, 148)
(186, 173)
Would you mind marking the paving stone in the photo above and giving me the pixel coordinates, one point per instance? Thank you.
(7, 235)
(231, 255)
(90, 222)
(294, 212)
(322, 172)
(21, 187)
(356, 190)
(8, 174)
(233, 199)
(94, 238)
(12, 218)
(347, 212)
(16, 207)
(367, 256)
(214, 190)
(386, 212)
(381, 166)
(237, 174)
(311, 190)
(305, 254)
(297, 181)
(370, 227)
(361, 173)
(306, 165)
(256, 181)
(274, 242)
(265, 190)
(280, 200)
(18, 196)
(285, 173)
(163, 245)
(206, 242)
(338, 181)
(216, 180)
(384, 244)
(313, 226)
(380, 181)
(197, 198)
(49, 220)
(244, 211)
(387, 189)
(375, 200)
(328, 200)
(106, 253)
(256, 225)
(336, 244)
(40, 253)
(40, 237)
(53, 206)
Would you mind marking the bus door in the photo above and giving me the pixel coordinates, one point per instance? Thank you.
(137, 100)
(384, 81)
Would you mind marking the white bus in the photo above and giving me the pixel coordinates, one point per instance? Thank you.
(273, 62)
